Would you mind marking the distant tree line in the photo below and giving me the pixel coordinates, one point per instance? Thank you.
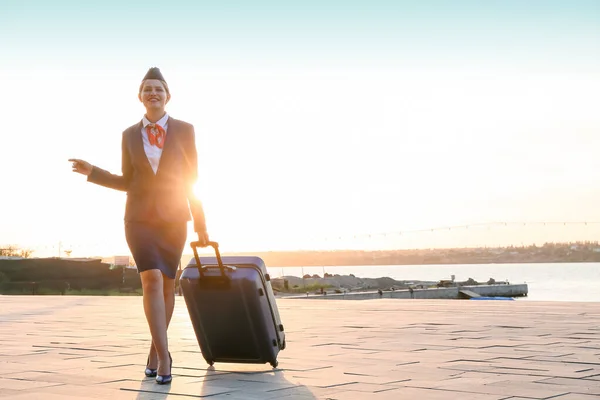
(14, 251)
(548, 252)
(62, 276)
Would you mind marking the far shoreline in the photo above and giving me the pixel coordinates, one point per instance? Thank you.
(587, 252)
(438, 264)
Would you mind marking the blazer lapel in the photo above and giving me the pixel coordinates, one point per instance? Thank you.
(170, 144)
(139, 153)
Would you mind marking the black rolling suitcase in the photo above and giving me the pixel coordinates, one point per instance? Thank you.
(232, 308)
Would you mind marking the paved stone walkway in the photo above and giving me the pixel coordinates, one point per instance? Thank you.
(95, 348)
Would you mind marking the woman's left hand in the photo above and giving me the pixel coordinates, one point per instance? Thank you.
(80, 166)
(203, 238)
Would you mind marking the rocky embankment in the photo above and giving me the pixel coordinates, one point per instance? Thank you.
(346, 283)
(351, 283)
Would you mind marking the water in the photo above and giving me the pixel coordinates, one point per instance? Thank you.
(546, 281)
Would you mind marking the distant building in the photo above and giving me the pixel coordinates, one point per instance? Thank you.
(122, 261)
(118, 261)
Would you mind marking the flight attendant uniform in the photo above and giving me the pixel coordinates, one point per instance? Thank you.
(159, 168)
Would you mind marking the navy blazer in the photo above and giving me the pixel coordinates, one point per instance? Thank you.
(166, 196)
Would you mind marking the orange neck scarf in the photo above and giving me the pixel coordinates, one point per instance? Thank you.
(156, 135)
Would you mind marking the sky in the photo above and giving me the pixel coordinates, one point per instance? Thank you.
(318, 123)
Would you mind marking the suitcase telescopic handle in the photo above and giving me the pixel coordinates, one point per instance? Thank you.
(215, 246)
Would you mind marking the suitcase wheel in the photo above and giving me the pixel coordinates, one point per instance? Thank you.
(274, 364)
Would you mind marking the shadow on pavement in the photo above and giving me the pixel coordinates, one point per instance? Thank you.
(231, 382)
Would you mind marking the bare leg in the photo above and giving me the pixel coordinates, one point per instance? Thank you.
(154, 308)
(169, 296)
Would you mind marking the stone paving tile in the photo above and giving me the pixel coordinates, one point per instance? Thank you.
(20, 384)
(87, 391)
(7, 393)
(47, 396)
(583, 386)
(577, 396)
(516, 398)
(62, 347)
(59, 377)
(412, 394)
(512, 388)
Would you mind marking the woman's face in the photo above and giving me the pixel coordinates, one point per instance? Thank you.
(154, 95)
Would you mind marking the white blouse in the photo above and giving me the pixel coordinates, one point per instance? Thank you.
(152, 152)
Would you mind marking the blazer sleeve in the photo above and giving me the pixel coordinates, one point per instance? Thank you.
(117, 182)
(195, 204)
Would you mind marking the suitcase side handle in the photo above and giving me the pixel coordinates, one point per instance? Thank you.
(230, 267)
(215, 246)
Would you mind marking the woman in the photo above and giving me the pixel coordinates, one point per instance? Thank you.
(159, 168)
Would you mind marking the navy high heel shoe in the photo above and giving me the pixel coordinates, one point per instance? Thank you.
(149, 372)
(165, 379)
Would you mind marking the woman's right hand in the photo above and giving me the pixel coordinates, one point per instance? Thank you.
(80, 166)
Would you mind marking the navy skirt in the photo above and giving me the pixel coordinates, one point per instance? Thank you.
(156, 245)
